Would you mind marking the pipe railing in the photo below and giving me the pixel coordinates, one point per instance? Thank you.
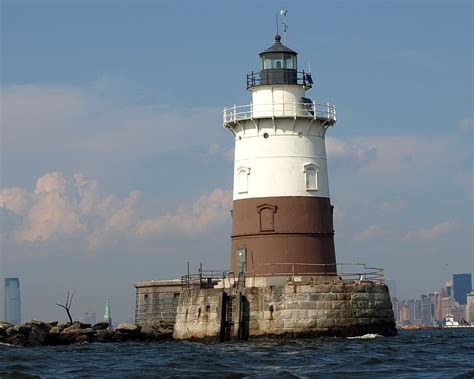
(345, 271)
(313, 110)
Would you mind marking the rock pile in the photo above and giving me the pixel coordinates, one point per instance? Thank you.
(37, 333)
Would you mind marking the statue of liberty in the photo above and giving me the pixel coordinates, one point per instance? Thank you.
(107, 315)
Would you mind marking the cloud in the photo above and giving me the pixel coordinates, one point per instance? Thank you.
(431, 233)
(338, 149)
(53, 215)
(60, 209)
(204, 213)
(118, 219)
(466, 124)
(371, 232)
(14, 199)
(58, 115)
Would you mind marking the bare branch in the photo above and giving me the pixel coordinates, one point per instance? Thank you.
(67, 305)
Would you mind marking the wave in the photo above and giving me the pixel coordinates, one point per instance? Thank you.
(7, 344)
(369, 336)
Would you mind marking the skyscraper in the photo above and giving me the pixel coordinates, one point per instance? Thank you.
(12, 301)
(425, 310)
(462, 284)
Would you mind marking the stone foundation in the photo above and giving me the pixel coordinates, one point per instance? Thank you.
(294, 309)
(156, 301)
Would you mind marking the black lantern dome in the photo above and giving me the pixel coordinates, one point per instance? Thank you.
(278, 64)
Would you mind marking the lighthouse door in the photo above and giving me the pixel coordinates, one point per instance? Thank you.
(278, 101)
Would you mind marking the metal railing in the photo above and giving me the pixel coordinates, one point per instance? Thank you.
(313, 110)
(345, 271)
(280, 76)
(203, 279)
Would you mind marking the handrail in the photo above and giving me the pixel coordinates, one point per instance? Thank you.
(364, 273)
(203, 278)
(316, 111)
(298, 77)
(344, 271)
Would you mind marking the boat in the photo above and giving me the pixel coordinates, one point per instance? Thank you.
(450, 322)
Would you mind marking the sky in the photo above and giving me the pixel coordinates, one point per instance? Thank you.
(115, 167)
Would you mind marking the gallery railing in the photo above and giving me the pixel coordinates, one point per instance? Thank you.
(310, 110)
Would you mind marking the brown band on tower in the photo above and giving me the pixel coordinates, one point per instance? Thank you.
(283, 235)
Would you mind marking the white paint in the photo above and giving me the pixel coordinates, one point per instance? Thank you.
(277, 101)
(279, 150)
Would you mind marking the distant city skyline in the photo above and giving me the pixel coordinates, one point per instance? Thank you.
(455, 299)
(116, 167)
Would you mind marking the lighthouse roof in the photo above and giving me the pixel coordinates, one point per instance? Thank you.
(278, 47)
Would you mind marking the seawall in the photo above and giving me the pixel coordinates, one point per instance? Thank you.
(341, 308)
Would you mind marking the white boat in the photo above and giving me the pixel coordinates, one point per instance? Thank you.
(450, 322)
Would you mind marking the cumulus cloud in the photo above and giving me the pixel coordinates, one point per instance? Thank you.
(205, 212)
(338, 149)
(371, 232)
(61, 208)
(431, 233)
(14, 199)
(53, 215)
(118, 219)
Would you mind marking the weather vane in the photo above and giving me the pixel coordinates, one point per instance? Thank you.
(285, 24)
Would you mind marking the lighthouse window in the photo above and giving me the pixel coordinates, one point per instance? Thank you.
(267, 64)
(243, 179)
(289, 63)
(311, 177)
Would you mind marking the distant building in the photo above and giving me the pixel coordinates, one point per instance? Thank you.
(425, 310)
(417, 320)
(404, 313)
(12, 301)
(411, 311)
(470, 307)
(449, 288)
(434, 301)
(462, 285)
(446, 303)
(442, 294)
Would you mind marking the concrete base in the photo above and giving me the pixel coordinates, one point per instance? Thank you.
(293, 309)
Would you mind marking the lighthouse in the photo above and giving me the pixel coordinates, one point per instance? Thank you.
(282, 217)
(283, 280)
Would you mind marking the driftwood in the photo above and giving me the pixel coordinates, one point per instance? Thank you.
(67, 305)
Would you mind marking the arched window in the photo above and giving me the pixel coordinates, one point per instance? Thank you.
(311, 172)
(243, 179)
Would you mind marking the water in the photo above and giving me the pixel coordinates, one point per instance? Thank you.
(430, 354)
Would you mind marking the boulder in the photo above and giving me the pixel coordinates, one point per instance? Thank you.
(76, 326)
(5, 325)
(19, 329)
(104, 335)
(155, 332)
(101, 325)
(39, 332)
(128, 328)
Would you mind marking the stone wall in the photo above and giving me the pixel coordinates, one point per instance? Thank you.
(291, 310)
(156, 301)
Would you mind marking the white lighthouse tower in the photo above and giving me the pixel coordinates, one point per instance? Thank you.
(282, 214)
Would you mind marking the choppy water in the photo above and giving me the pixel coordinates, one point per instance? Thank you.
(433, 354)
